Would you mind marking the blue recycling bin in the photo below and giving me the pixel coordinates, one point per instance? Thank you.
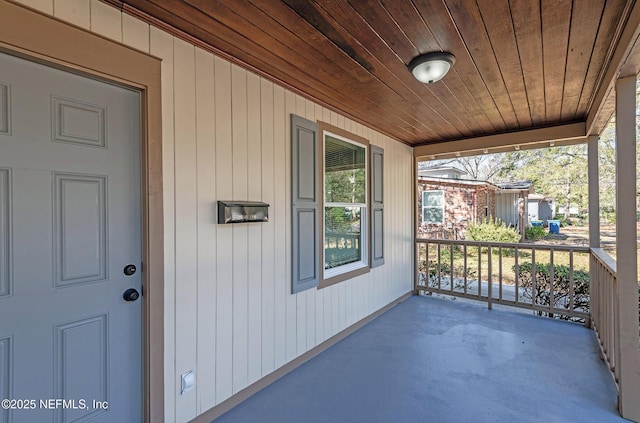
(537, 223)
(554, 226)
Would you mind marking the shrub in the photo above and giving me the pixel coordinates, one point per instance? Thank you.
(534, 233)
(561, 283)
(608, 214)
(429, 273)
(492, 231)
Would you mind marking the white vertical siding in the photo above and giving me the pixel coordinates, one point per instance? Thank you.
(186, 236)
(267, 181)
(76, 11)
(224, 264)
(507, 208)
(278, 212)
(291, 301)
(105, 20)
(240, 241)
(255, 263)
(161, 45)
(45, 6)
(228, 311)
(206, 221)
(135, 33)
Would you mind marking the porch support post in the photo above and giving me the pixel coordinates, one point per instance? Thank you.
(594, 192)
(594, 211)
(414, 215)
(627, 352)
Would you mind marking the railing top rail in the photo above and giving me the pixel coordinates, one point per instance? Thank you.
(574, 248)
(605, 259)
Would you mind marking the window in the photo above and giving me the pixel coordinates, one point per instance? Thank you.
(345, 204)
(433, 206)
(337, 205)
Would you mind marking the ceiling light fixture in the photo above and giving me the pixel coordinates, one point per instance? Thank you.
(485, 150)
(457, 154)
(552, 143)
(517, 147)
(431, 67)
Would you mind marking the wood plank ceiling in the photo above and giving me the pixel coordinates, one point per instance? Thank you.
(520, 64)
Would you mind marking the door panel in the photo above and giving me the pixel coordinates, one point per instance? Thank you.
(4, 109)
(78, 123)
(80, 365)
(69, 224)
(5, 375)
(5, 233)
(80, 228)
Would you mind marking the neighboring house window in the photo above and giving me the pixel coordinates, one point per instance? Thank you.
(433, 206)
(345, 205)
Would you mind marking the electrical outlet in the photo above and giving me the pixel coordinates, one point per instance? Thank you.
(188, 381)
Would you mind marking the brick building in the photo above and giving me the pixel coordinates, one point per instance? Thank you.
(446, 206)
(448, 203)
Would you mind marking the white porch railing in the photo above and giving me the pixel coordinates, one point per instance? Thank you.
(604, 310)
(563, 282)
(551, 280)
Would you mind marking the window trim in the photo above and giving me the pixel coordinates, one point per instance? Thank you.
(432, 207)
(350, 270)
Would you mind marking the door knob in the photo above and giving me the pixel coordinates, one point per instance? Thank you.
(131, 294)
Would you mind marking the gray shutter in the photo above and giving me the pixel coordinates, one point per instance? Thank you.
(377, 206)
(305, 215)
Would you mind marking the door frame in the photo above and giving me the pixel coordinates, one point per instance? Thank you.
(29, 34)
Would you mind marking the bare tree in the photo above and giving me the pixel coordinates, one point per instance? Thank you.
(481, 168)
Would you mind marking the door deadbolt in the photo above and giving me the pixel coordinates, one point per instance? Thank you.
(129, 269)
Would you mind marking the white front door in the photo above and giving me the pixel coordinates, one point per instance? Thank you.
(70, 345)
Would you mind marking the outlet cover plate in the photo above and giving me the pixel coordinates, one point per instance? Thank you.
(188, 381)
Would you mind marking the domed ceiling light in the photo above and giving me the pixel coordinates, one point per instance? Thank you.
(431, 67)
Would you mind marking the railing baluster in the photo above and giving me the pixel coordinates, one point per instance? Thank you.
(439, 268)
(517, 274)
(610, 323)
(606, 290)
(612, 329)
(451, 268)
(416, 268)
(615, 341)
(489, 281)
(593, 290)
(479, 271)
(571, 287)
(464, 248)
(500, 273)
(427, 264)
(534, 282)
(552, 279)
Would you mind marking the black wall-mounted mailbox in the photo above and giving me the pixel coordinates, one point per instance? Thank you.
(242, 211)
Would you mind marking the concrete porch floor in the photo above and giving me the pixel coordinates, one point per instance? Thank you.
(436, 360)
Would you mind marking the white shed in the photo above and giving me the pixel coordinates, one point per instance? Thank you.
(511, 203)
